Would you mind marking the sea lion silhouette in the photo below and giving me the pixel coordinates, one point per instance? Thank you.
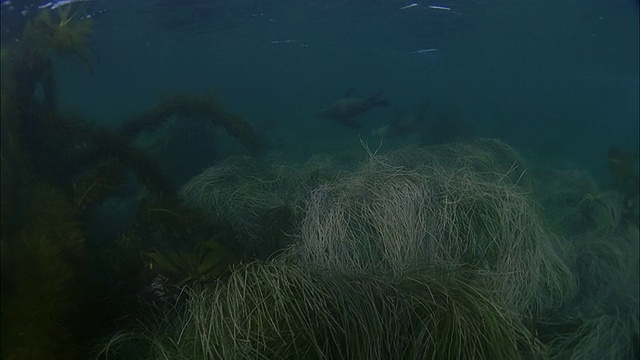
(348, 108)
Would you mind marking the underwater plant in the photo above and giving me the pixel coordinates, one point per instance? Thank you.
(206, 260)
(385, 220)
(438, 252)
(241, 190)
(575, 205)
(62, 32)
(601, 321)
(427, 260)
(261, 200)
(190, 107)
(72, 167)
(277, 310)
(43, 274)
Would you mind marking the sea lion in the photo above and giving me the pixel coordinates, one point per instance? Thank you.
(347, 109)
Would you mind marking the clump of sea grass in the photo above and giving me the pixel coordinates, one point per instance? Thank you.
(385, 219)
(282, 311)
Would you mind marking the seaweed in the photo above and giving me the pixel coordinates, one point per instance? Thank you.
(56, 169)
(63, 33)
(190, 107)
(182, 242)
(42, 280)
(205, 260)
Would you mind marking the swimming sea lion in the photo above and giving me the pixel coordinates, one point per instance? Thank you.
(347, 109)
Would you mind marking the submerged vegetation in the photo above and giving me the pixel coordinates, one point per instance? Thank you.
(62, 32)
(438, 252)
(277, 310)
(459, 250)
(58, 172)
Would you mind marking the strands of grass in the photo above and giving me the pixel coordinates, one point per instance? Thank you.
(384, 219)
(469, 322)
(241, 190)
(503, 233)
(575, 206)
(600, 336)
(281, 311)
(340, 223)
(602, 322)
(438, 253)
(602, 264)
(481, 155)
(162, 338)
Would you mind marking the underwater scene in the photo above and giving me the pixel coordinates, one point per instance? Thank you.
(320, 179)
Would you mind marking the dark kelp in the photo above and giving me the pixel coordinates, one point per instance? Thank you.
(57, 170)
